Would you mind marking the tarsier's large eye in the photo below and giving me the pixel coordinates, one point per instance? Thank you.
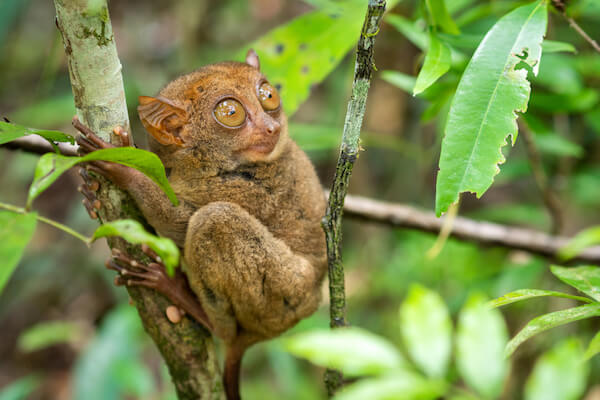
(268, 96)
(230, 113)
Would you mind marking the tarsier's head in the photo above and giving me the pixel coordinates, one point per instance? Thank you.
(226, 113)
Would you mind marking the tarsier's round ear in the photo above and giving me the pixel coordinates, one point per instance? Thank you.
(162, 119)
(252, 59)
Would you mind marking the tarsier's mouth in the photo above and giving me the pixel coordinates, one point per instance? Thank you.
(264, 146)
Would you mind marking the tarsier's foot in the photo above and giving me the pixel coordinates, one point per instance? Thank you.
(153, 275)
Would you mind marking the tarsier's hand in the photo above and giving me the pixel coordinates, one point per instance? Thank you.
(88, 142)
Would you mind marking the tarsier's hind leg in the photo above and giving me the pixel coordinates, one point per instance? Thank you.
(248, 280)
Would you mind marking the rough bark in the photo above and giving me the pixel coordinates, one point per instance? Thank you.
(332, 223)
(95, 72)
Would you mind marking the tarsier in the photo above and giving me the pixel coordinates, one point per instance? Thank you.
(248, 222)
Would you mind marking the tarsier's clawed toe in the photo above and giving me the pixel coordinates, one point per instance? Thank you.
(89, 189)
(135, 273)
(152, 275)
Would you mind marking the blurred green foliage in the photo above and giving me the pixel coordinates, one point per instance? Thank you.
(60, 280)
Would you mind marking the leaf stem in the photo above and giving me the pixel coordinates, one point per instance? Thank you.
(55, 224)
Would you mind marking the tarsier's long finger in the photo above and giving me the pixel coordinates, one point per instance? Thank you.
(122, 133)
(125, 260)
(85, 146)
(110, 264)
(90, 135)
(151, 253)
(91, 184)
(92, 213)
(90, 195)
(99, 167)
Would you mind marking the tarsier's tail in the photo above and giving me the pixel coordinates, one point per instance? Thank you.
(231, 375)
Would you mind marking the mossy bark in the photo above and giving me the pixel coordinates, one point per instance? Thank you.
(95, 72)
(348, 155)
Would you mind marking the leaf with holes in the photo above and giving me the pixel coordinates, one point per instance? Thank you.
(10, 132)
(134, 232)
(300, 54)
(51, 166)
(493, 87)
(16, 231)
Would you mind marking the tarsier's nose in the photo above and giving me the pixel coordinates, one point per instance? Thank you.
(272, 127)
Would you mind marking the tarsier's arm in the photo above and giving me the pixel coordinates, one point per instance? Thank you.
(161, 214)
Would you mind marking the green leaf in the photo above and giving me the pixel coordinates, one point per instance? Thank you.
(493, 86)
(480, 340)
(10, 131)
(426, 329)
(16, 231)
(551, 46)
(134, 232)
(398, 79)
(20, 389)
(593, 347)
(300, 54)
(395, 386)
(586, 279)
(584, 239)
(51, 166)
(409, 29)
(551, 320)
(524, 294)
(352, 350)
(559, 374)
(437, 63)
(49, 333)
(440, 16)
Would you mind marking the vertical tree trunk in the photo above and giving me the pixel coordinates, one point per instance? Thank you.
(97, 83)
(363, 70)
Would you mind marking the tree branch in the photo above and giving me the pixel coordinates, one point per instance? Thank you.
(332, 223)
(95, 72)
(561, 6)
(404, 216)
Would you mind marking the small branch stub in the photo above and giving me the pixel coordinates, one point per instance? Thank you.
(332, 223)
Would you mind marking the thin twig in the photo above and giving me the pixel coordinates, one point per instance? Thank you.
(404, 216)
(581, 32)
(332, 222)
(38, 145)
(560, 6)
(57, 225)
(549, 196)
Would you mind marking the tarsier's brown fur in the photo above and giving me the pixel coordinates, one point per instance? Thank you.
(248, 221)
